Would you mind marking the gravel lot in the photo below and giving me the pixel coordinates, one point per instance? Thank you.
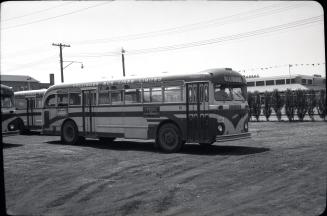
(281, 170)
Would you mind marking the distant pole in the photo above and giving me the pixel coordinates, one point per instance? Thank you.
(61, 61)
(123, 60)
(289, 72)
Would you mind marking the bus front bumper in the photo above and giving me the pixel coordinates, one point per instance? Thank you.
(223, 138)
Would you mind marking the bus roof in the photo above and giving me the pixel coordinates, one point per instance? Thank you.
(216, 75)
(31, 92)
(6, 90)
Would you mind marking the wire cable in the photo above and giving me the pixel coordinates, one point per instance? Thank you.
(36, 12)
(244, 16)
(54, 17)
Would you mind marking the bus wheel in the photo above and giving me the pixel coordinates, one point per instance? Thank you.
(69, 133)
(105, 140)
(169, 139)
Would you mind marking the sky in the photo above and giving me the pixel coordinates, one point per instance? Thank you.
(160, 37)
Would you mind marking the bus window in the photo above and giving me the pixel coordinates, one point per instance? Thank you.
(38, 102)
(206, 91)
(146, 95)
(156, 95)
(238, 94)
(222, 93)
(6, 102)
(104, 97)
(74, 99)
(173, 94)
(116, 97)
(51, 101)
(132, 96)
(62, 99)
(21, 103)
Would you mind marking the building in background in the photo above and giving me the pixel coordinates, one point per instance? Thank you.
(23, 83)
(282, 83)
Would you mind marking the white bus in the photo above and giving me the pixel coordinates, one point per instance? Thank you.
(200, 108)
(8, 115)
(29, 109)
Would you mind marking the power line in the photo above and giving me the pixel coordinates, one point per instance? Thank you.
(54, 17)
(36, 12)
(271, 29)
(248, 15)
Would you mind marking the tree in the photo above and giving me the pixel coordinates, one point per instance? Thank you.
(277, 103)
(322, 104)
(301, 104)
(312, 102)
(256, 105)
(250, 103)
(289, 104)
(267, 105)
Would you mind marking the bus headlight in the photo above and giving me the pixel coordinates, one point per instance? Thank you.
(11, 127)
(246, 127)
(220, 128)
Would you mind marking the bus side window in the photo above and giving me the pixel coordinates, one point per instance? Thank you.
(104, 97)
(206, 95)
(21, 103)
(74, 99)
(62, 99)
(146, 95)
(51, 101)
(116, 97)
(156, 94)
(132, 96)
(173, 94)
(38, 102)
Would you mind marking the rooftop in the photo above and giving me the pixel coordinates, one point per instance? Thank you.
(17, 78)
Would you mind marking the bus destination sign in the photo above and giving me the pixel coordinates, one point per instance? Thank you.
(236, 79)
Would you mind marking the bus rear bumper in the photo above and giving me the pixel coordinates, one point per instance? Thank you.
(223, 138)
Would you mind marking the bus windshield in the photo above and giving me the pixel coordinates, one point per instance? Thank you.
(229, 93)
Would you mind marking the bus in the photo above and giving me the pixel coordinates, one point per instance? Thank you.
(204, 107)
(8, 115)
(29, 110)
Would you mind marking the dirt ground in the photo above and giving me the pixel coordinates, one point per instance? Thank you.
(281, 170)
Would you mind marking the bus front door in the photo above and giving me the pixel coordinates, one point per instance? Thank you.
(30, 118)
(197, 115)
(89, 101)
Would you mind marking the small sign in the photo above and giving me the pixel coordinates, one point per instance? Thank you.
(151, 111)
(233, 79)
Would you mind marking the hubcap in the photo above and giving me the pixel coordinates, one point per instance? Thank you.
(169, 138)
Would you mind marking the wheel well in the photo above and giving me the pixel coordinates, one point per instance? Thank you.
(169, 121)
(20, 123)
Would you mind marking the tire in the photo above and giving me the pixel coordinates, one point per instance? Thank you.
(106, 140)
(169, 138)
(69, 133)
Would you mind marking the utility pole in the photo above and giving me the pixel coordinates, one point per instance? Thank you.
(123, 60)
(61, 61)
